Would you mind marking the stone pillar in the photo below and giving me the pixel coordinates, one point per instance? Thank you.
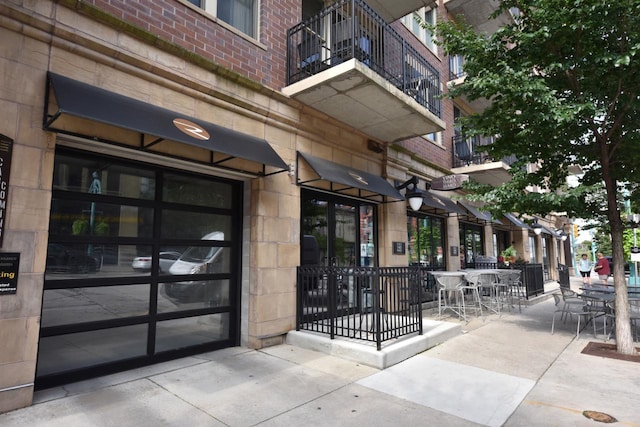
(453, 241)
(488, 248)
(274, 256)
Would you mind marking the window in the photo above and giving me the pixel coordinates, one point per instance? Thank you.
(435, 137)
(414, 22)
(240, 14)
(456, 67)
(426, 242)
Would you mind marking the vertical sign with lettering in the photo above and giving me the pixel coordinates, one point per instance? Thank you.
(6, 145)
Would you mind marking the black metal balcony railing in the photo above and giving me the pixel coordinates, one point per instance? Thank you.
(467, 150)
(374, 304)
(350, 29)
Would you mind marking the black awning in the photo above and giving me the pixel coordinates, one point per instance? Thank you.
(346, 180)
(438, 202)
(517, 221)
(547, 230)
(485, 216)
(89, 102)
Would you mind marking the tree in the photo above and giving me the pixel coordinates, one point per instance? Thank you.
(564, 81)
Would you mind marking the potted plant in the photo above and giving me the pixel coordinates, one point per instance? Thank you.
(509, 255)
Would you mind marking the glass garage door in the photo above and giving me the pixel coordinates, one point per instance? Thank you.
(142, 266)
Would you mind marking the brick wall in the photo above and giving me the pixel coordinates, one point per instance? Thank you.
(263, 60)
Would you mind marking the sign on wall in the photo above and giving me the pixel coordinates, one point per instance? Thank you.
(449, 182)
(9, 266)
(6, 146)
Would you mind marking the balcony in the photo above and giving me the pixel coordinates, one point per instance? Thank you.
(477, 14)
(469, 158)
(348, 63)
(457, 76)
(392, 10)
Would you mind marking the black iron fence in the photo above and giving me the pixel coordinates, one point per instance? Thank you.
(532, 276)
(351, 29)
(377, 304)
(374, 304)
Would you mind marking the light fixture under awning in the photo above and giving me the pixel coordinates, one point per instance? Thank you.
(155, 125)
(342, 179)
(516, 221)
(434, 201)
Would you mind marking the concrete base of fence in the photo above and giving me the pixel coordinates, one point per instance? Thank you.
(392, 352)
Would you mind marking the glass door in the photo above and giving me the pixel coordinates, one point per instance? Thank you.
(337, 232)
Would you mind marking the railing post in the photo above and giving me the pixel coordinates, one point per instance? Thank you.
(376, 308)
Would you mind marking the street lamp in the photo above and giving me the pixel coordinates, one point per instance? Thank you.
(561, 235)
(537, 228)
(412, 194)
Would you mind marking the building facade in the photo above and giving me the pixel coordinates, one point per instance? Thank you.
(169, 159)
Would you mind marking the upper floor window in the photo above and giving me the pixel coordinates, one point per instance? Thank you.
(240, 14)
(456, 67)
(414, 21)
(435, 137)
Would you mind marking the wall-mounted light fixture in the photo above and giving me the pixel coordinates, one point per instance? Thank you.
(561, 234)
(412, 194)
(537, 228)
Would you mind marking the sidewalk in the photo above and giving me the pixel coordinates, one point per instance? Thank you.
(506, 370)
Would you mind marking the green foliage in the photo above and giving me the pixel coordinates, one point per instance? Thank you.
(564, 82)
(80, 227)
(564, 85)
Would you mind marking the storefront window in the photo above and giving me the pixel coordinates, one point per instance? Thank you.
(425, 237)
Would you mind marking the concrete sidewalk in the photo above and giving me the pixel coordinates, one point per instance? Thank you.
(506, 370)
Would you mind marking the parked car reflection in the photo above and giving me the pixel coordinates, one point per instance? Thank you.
(166, 260)
(197, 260)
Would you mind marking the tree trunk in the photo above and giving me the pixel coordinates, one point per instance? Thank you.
(624, 338)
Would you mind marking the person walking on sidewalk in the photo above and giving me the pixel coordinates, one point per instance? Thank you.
(584, 265)
(602, 268)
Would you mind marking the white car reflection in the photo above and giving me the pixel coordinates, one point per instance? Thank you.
(166, 260)
(195, 260)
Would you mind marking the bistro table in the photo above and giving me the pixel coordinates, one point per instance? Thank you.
(497, 288)
(600, 299)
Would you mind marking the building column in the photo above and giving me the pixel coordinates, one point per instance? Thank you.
(487, 230)
(453, 242)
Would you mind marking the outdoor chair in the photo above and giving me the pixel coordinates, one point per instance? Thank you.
(634, 316)
(471, 292)
(609, 316)
(451, 295)
(491, 292)
(517, 290)
(570, 307)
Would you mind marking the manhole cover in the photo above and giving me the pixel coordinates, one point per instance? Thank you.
(599, 416)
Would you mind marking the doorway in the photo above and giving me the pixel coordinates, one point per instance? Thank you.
(338, 235)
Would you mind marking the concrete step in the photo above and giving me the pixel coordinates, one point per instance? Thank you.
(434, 333)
